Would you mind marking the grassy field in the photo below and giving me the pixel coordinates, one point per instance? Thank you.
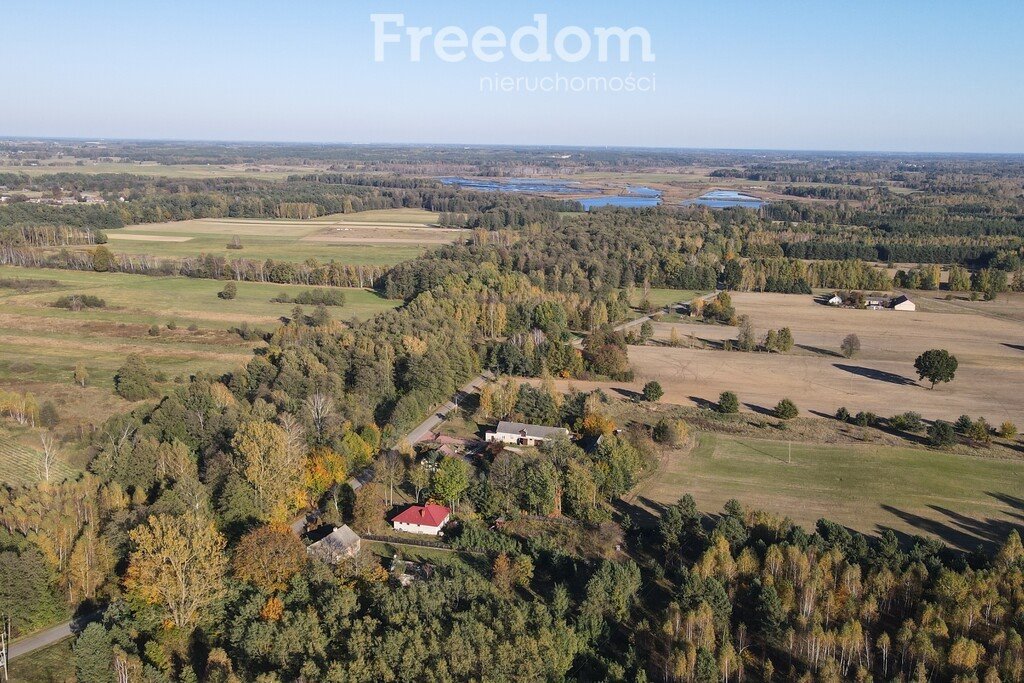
(984, 336)
(54, 664)
(184, 171)
(40, 344)
(964, 501)
(378, 238)
(664, 297)
(20, 463)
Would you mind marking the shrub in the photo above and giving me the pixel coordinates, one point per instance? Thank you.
(980, 432)
(76, 302)
(134, 380)
(728, 403)
(843, 415)
(671, 432)
(653, 391)
(1008, 430)
(172, 325)
(154, 330)
(941, 434)
(230, 291)
(963, 424)
(48, 416)
(193, 328)
(312, 297)
(907, 422)
(865, 419)
(786, 409)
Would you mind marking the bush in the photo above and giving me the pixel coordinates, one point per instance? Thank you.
(230, 291)
(865, 419)
(48, 416)
(1008, 430)
(671, 432)
(653, 391)
(134, 381)
(963, 424)
(980, 432)
(728, 403)
(843, 415)
(941, 434)
(312, 297)
(786, 410)
(76, 302)
(172, 325)
(154, 330)
(193, 328)
(907, 422)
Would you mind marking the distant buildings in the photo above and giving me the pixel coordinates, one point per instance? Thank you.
(520, 434)
(336, 546)
(426, 519)
(874, 302)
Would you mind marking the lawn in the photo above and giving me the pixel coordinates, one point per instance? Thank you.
(420, 554)
(54, 664)
(963, 500)
(378, 238)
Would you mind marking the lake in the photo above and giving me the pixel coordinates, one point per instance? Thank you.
(636, 197)
(527, 185)
(726, 199)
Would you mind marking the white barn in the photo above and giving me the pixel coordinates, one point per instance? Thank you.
(520, 434)
(902, 303)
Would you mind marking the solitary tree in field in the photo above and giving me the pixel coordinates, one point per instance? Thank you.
(653, 391)
(81, 374)
(728, 403)
(936, 365)
(850, 346)
(745, 338)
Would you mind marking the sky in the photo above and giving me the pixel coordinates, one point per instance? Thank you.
(864, 75)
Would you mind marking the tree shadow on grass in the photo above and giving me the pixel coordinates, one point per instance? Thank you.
(641, 515)
(628, 393)
(880, 375)
(1018, 347)
(703, 403)
(820, 351)
(958, 530)
(760, 410)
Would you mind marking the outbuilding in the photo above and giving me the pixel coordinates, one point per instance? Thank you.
(336, 546)
(517, 433)
(902, 303)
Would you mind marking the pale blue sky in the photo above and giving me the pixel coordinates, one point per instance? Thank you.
(905, 75)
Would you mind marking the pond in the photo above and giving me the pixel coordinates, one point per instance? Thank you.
(726, 199)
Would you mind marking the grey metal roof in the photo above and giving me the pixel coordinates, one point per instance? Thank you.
(531, 431)
(340, 539)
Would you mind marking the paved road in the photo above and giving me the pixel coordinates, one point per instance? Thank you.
(420, 431)
(50, 636)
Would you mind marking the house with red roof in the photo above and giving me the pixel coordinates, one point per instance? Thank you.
(422, 519)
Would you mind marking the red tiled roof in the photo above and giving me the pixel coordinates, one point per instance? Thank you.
(426, 515)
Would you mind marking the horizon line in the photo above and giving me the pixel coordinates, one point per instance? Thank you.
(218, 141)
